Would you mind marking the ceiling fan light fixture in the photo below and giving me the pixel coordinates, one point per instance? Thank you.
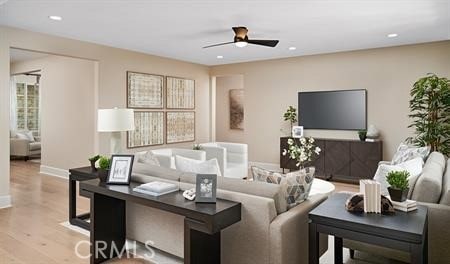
(241, 44)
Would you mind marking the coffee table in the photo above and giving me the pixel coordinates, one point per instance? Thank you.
(403, 231)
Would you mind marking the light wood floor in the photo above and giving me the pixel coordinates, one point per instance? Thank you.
(30, 231)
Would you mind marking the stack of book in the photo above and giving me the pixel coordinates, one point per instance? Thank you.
(372, 195)
(406, 206)
(156, 188)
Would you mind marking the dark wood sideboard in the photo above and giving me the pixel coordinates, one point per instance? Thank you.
(340, 159)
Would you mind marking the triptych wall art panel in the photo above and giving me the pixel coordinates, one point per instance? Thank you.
(146, 91)
(149, 129)
(180, 127)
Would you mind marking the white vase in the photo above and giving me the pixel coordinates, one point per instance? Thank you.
(373, 132)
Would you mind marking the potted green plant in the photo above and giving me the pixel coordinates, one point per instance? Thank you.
(104, 164)
(430, 111)
(399, 185)
(362, 134)
(93, 160)
(291, 116)
(197, 147)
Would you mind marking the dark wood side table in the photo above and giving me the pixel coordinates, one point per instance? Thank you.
(78, 174)
(203, 223)
(402, 231)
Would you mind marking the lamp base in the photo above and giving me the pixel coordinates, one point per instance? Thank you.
(116, 143)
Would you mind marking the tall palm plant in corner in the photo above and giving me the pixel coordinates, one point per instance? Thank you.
(430, 111)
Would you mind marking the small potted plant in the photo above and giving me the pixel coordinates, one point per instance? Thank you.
(93, 160)
(291, 116)
(197, 147)
(399, 185)
(104, 164)
(362, 134)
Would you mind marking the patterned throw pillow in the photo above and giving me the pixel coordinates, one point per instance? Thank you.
(406, 152)
(148, 158)
(297, 184)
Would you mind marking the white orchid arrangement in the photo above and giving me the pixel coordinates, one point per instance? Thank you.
(303, 152)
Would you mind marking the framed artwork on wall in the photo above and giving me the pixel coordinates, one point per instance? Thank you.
(180, 127)
(180, 93)
(144, 90)
(149, 129)
(237, 109)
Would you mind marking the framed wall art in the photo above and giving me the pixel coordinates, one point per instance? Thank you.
(149, 129)
(144, 90)
(237, 109)
(180, 127)
(180, 93)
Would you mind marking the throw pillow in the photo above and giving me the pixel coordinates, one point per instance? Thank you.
(406, 152)
(148, 158)
(197, 166)
(30, 136)
(297, 184)
(21, 135)
(414, 167)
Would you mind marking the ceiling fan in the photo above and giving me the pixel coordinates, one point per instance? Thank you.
(241, 39)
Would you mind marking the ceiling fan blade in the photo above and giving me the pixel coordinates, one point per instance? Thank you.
(220, 44)
(262, 42)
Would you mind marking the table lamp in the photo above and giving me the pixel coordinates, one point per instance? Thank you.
(115, 121)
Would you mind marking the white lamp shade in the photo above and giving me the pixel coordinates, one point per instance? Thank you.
(114, 120)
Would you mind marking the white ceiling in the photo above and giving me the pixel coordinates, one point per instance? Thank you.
(179, 29)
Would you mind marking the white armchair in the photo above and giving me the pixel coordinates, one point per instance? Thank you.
(232, 158)
(24, 147)
(166, 156)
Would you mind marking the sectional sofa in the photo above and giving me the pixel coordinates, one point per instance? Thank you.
(268, 233)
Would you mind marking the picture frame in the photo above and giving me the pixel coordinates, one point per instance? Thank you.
(206, 188)
(180, 93)
(297, 131)
(120, 170)
(149, 129)
(180, 126)
(145, 91)
(236, 98)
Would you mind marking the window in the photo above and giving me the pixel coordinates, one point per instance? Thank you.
(28, 107)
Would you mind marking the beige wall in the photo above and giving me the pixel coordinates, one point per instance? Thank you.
(387, 74)
(112, 66)
(223, 86)
(67, 109)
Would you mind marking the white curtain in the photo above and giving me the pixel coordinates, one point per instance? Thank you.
(13, 104)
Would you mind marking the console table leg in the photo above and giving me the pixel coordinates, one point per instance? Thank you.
(313, 244)
(108, 229)
(200, 247)
(72, 200)
(338, 250)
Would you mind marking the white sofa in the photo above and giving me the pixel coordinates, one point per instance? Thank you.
(25, 148)
(232, 158)
(166, 156)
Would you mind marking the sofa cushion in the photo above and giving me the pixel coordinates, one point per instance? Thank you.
(445, 198)
(429, 185)
(406, 152)
(197, 166)
(156, 171)
(35, 146)
(148, 157)
(272, 191)
(414, 167)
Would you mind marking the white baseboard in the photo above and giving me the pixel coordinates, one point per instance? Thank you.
(265, 165)
(5, 201)
(52, 171)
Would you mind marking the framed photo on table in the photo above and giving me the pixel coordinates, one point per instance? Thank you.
(206, 188)
(120, 170)
(297, 131)
(144, 90)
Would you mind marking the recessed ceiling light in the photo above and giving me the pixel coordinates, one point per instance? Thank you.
(392, 35)
(292, 48)
(241, 44)
(56, 18)
(219, 56)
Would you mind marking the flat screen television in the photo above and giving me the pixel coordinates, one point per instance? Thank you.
(334, 110)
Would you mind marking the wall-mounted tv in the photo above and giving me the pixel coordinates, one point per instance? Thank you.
(334, 110)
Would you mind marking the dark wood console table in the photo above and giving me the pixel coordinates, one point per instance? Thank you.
(341, 159)
(202, 225)
(78, 175)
